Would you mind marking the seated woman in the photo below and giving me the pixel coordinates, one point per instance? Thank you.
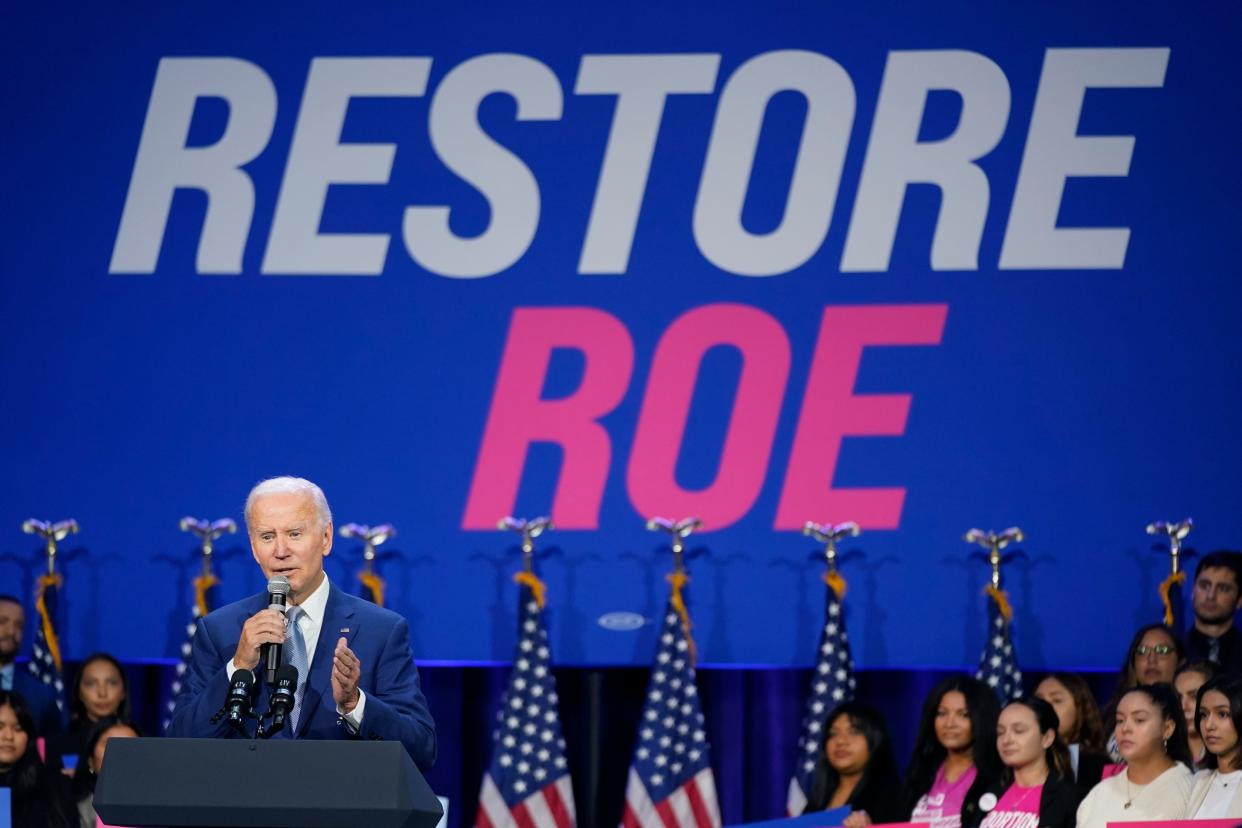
(100, 691)
(1036, 789)
(40, 797)
(90, 763)
(1219, 713)
(1151, 736)
(954, 758)
(1155, 651)
(1081, 729)
(1189, 678)
(856, 767)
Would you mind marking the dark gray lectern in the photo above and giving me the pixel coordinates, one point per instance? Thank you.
(234, 783)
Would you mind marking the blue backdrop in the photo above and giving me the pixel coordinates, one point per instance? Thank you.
(639, 245)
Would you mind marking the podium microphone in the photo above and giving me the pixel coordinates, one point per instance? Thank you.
(277, 598)
(283, 696)
(237, 705)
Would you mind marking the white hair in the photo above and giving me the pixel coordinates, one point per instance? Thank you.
(289, 485)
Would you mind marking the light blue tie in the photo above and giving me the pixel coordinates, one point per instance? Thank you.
(6, 677)
(295, 651)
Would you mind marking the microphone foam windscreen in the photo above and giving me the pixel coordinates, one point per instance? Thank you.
(287, 672)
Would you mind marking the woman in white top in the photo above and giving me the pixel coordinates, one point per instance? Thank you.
(1219, 713)
(1151, 736)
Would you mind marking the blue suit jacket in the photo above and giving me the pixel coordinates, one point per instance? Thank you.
(41, 700)
(395, 707)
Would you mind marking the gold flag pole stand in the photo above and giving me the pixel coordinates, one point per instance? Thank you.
(52, 533)
(371, 536)
(529, 530)
(1176, 533)
(830, 535)
(995, 542)
(678, 531)
(208, 532)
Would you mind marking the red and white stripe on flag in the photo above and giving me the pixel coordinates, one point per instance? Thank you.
(549, 807)
(693, 805)
(795, 804)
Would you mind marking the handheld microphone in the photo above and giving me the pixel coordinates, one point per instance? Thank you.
(238, 703)
(283, 697)
(277, 597)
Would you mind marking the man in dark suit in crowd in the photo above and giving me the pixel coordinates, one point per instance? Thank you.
(40, 697)
(361, 682)
(1216, 596)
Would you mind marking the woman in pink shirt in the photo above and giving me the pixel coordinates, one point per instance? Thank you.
(954, 759)
(1037, 787)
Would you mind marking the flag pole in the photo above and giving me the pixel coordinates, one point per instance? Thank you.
(830, 536)
(1176, 533)
(371, 536)
(998, 665)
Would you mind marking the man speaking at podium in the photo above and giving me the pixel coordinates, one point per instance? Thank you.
(357, 678)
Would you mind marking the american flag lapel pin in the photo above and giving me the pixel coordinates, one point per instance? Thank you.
(344, 629)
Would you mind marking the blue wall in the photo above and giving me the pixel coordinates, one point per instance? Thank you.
(1079, 391)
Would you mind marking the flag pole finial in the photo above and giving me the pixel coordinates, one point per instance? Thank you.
(830, 535)
(1176, 532)
(371, 536)
(994, 542)
(529, 530)
(208, 532)
(678, 531)
(51, 534)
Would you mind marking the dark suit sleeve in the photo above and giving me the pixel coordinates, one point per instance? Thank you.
(395, 708)
(203, 688)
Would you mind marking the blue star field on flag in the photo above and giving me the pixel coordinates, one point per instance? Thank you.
(998, 666)
(43, 665)
(832, 684)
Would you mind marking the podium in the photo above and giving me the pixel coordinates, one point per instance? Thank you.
(282, 783)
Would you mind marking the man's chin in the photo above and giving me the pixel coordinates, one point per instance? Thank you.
(1215, 622)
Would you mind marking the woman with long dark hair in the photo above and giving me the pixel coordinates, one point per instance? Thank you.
(40, 796)
(1219, 715)
(1152, 658)
(1036, 788)
(856, 768)
(954, 759)
(90, 763)
(1081, 729)
(1189, 678)
(100, 691)
(1151, 736)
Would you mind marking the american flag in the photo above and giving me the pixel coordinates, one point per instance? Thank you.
(670, 783)
(202, 584)
(528, 784)
(46, 664)
(998, 665)
(831, 685)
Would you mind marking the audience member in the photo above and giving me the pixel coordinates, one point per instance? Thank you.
(40, 796)
(40, 698)
(1219, 714)
(954, 758)
(1036, 788)
(1155, 651)
(100, 691)
(1215, 598)
(90, 763)
(856, 768)
(1155, 784)
(1080, 728)
(1189, 678)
